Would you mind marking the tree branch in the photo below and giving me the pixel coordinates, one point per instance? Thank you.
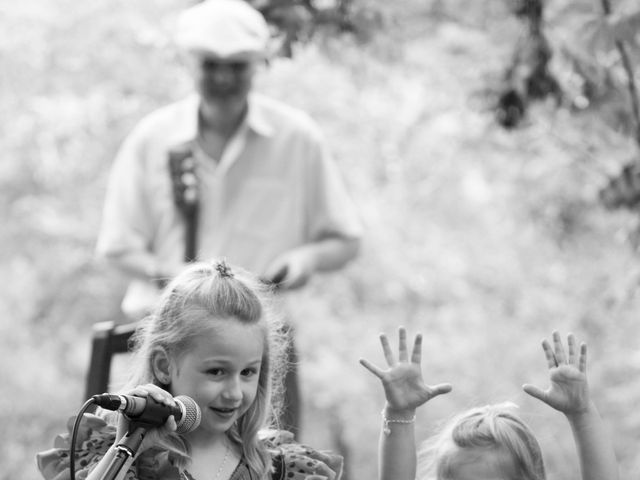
(628, 68)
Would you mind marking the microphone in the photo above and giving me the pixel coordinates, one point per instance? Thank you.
(152, 413)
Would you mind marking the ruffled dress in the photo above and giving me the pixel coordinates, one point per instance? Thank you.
(291, 460)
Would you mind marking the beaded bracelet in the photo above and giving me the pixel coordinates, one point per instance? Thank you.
(386, 421)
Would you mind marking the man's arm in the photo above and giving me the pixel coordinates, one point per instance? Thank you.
(128, 227)
(294, 268)
(142, 265)
(333, 253)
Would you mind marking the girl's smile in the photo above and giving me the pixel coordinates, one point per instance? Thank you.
(224, 412)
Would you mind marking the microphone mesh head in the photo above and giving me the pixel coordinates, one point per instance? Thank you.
(191, 414)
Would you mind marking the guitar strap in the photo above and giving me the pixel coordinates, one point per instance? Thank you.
(182, 168)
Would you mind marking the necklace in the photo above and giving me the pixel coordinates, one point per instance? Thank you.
(224, 460)
(187, 476)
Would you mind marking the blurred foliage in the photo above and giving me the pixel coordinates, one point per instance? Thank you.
(607, 58)
(594, 37)
(298, 21)
(527, 77)
(596, 45)
(483, 240)
(597, 50)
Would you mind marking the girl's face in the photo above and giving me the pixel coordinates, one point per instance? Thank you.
(220, 372)
(481, 464)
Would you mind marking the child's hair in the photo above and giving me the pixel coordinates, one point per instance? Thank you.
(492, 428)
(203, 292)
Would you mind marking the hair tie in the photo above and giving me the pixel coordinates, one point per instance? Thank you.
(224, 270)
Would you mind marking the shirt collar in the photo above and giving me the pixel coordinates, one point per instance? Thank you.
(186, 128)
(256, 119)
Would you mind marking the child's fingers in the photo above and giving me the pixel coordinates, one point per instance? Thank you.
(160, 395)
(441, 389)
(571, 343)
(416, 354)
(535, 392)
(171, 424)
(582, 364)
(558, 348)
(138, 392)
(403, 355)
(386, 350)
(548, 353)
(372, 368)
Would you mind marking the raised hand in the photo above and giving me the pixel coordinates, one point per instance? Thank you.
(403, 384)
(569, 391)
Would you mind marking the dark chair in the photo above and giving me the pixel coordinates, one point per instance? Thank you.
(108, 339)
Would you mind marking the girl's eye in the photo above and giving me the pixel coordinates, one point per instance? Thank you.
(249, 372)
(216, 372)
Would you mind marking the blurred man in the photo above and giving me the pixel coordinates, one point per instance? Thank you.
(226, 173)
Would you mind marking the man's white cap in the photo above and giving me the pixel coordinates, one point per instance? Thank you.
(223, 28)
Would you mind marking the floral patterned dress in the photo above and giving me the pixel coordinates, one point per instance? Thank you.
(291, 460)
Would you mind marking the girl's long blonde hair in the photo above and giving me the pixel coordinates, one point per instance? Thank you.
(204, 292)
(493, 428)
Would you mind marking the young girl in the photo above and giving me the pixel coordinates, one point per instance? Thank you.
(492, 442)
(212, 338)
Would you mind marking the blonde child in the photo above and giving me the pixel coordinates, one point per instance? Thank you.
(491, 442)
(213, 338)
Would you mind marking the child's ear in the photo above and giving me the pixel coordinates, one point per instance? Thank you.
(161, 366)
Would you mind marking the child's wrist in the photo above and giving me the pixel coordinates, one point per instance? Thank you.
(577, 415)
(398, 418)
(398, 413)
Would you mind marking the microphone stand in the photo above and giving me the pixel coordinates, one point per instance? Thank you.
(153, 416)
(126, 451)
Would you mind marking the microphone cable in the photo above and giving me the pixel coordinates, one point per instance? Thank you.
(74, 436)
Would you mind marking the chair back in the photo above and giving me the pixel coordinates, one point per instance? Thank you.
(108, 339)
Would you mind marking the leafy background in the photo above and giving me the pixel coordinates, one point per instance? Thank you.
(483, 239)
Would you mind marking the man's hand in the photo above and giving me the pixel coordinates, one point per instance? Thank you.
(292, 269)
